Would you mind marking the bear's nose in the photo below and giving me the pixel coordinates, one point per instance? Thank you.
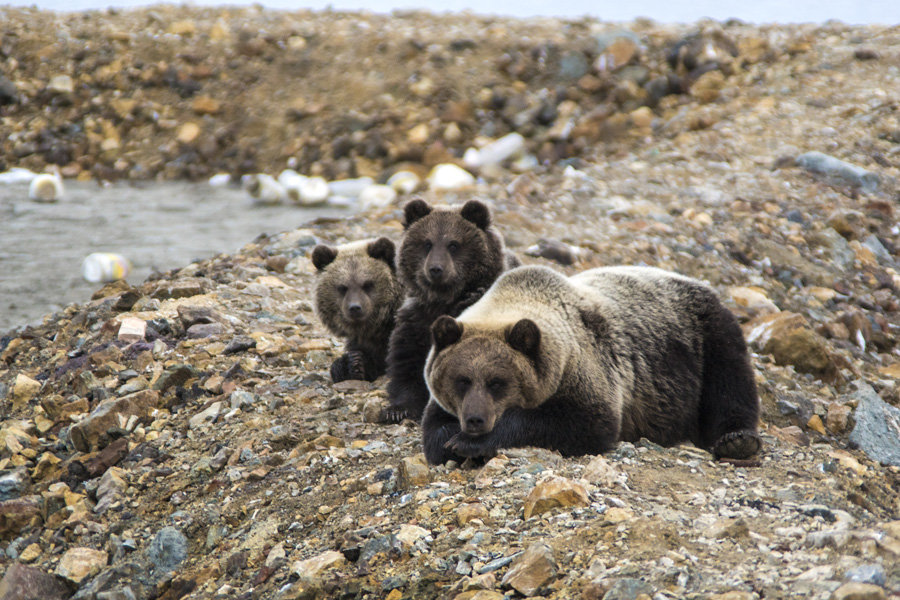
(435, 270)
(354, 309)
(474, 423)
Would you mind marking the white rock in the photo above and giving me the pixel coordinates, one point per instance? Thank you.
(312, 191)
(290, 177)
(132, 329)
(17, 175)
(264, 189)
(496, 152)
(46, 187)
(377, 196)
(350, 188)
(404, 182)
(220, 180)
(207, 416)
(447, 176)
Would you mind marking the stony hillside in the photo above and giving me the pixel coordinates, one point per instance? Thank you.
(182, 439)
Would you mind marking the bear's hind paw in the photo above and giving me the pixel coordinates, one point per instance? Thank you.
(737, 444)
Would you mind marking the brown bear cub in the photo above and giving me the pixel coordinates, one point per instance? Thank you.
(357, 295)
(448, 257)
(576, 364)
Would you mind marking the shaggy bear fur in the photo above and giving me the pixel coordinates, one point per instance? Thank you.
(577, 364)
(357, 296)
(448, 257)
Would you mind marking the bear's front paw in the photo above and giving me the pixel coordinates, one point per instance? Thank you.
(356, 365)
(737, 444)
(470, 446)
(468, 300)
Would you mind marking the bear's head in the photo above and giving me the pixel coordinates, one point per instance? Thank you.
(479, 375)
(357, 287)
(446, 253)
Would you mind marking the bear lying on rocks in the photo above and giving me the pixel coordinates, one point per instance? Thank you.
(448, 257)
(576, 364)
(357, 295)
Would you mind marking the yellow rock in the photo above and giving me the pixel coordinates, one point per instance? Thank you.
(188, 132)
(182, 28)
(30, 554)
(553, 492)
(24, 389)
(315, 566)
(815, 423)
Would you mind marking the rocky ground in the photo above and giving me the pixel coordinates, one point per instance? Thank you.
(182, 439)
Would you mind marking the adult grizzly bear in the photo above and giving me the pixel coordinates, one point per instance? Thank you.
(576, 364)
(448, 257)
(357, 295)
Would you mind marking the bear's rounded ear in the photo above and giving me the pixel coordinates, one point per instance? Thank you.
(525, 337)
(382, 249)
(323, 255)
(414, 210)
(445, 331)
(477, 213)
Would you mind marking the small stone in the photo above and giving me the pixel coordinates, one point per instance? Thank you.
(168, 549)
(751, 302)
(729, 528)
(873, 574)
(553, 492)
(410, 534)
(188, 132)
(28, 583)
(132, 330)
(377, 196)
(469, 511)
(859, 591)
(708, 86)
(412, 472)
(628, 589)
(312, 191)
(79, 563)
(61, 84)
(207, 416)
(206, 330)
(790, 341)
(30, 554)
(14, 483)
(615, 50)
(479, 595)
(447, 176)
(204, 105)
(555, 250)
(534, 568)
(839, 171)
(372, 410)
(17, 514)
(404, 182)
(24, 389)
(877, 430)
(815, 423)
(312, 568)
(838, 417)
(239, 344)
(87, 432)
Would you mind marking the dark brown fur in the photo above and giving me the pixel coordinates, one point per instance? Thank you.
(577, 364)
(357, 296)
(447, 259)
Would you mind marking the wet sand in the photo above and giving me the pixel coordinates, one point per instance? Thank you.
(157, 226)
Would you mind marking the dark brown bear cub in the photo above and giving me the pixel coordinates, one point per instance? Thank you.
(576, 364)
(448, 257)
(357, 296)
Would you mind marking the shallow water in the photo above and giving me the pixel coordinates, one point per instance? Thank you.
(156, 226)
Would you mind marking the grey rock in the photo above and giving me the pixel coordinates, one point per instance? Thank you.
(839, 170)
(8, 93)
(873, 574)
(205, 330)
(877, 430)
(628, 589)
(168, 549)
(881, 253)
(174, 376)
(14, 483)
(837, 246)
(573, 65)
(239, 344)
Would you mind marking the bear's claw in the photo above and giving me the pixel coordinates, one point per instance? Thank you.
(737, 444)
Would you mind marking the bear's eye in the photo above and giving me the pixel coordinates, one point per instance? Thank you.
(496, 385)
(453, 247)
(368, 287)
(462, 385)
(428, 245)
(342, 289)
